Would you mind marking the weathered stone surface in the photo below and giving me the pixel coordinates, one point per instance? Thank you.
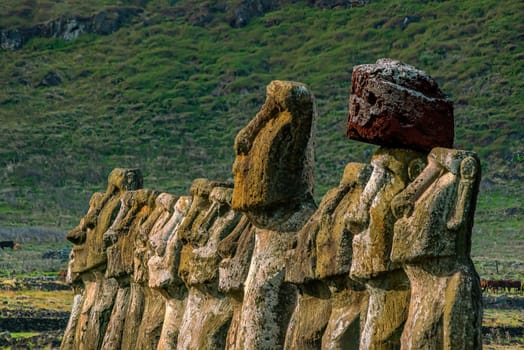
(273, 173)
(273, 167)
(68, 340)
(77, 236)
(349, 305)
(396, 105)
(433, 240)
(324, 242)
(121, 237)
(113, 335)
(319, 266)
(372, 220)
(382, 263)
(119, 181)
(310, 317)
(236, 251)
(208, 312)
(268, 301)
(96, 310)
(163, 265)
(213, 220)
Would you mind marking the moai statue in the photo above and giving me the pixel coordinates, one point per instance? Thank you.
(90, 259)
(151, 325)
(433, 242)
(210, 219)
(125, 322)
(273, 175)
(401, 109)
(331, 308)
(77, 264)
(163, 269)
(236, 251)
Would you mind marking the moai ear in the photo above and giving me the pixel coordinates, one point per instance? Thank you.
(469, 168)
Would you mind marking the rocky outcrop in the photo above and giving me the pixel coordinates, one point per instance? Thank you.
(69, 27)
(382, 263)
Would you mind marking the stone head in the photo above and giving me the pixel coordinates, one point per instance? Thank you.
(121, 179)
(274, 152)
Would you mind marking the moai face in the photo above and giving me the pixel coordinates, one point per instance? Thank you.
(119, 181)
(219, 221)
(274, 152)
(436, 211)
(162, 228)
(121, 236)
(163, 264)
(197, 228)
(372, 219)
(79, 234)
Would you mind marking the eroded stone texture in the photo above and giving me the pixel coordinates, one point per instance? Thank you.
(372, 220)
(90, 260)
(273, 167)
(319, 266)
(163, 268)
(396, 105)
(77, 236)
(273, 173)
(433, 241)
(383, 263)
(236, 251)
(120, 180)
(122, 238)
(208, 312)
(68, 339)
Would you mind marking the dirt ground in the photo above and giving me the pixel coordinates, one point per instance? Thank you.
(34, 313)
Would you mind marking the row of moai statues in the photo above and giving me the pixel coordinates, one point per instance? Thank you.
(383, 262)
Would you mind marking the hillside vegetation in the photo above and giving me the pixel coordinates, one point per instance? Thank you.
(168, 92)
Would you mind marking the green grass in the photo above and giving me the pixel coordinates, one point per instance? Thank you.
(22, 335)
(169, 97)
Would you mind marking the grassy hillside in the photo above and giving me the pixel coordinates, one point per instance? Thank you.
(169, 97)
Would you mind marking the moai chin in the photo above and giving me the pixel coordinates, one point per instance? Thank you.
(273, 175)
(401, 109)
(433, 240)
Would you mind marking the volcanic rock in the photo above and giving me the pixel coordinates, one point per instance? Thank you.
(396, 105)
